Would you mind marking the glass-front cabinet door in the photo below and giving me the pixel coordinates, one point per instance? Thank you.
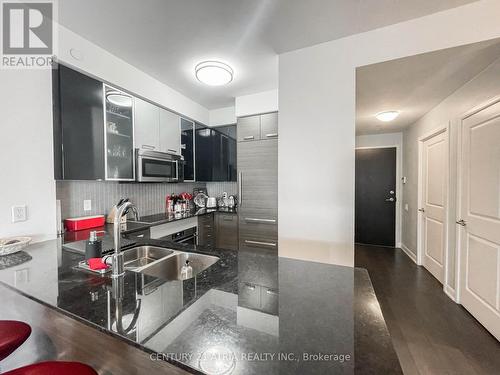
(119, 135)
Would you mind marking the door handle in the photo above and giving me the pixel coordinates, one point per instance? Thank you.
(248, 137)
(462, 222)
(264, 221)
(421, 210)
(260, 243)
(391, 199)
(271, 135)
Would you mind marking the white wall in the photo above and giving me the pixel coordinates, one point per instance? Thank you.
(389, 140)
(222, 116)
(262, 102)
(481, 89)
(317, 123)
(26, 169)
(26, 151)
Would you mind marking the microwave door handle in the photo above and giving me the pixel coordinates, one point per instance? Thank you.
(176, 170)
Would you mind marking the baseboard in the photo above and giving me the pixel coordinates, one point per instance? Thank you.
(450, 292)
(409, 253)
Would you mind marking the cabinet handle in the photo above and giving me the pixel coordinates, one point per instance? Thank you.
(265, 221)
(248, 137)
(251, 287)
(271, 292)
(240, 188)
(273, 244)
(148, 147)
(174, 151)
(271, 135)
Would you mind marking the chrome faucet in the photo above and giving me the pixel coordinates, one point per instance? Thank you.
(117, 266)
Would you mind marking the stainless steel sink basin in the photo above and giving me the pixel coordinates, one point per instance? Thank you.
(166, 263)
(143, 255)
(170, 268)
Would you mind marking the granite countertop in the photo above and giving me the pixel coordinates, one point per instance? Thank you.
(147, 221)
(254, 312)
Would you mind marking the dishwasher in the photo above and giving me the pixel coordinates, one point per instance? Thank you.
(188, 236)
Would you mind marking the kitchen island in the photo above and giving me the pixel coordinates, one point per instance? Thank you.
(249, 313)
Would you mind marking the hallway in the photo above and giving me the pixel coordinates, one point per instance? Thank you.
(431, 334)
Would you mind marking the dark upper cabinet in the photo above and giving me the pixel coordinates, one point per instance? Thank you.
(215, 154)
(78, 126)
(187, 148)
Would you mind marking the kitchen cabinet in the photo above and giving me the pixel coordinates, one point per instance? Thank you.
(258, 189)
(170, 132)
(206, 230)
(248, 128)
(215, 156)
(187, 148)
(226, 234)
(119, 135)
(269, 125)
(258, 127)
(147, 125)
(78, 126)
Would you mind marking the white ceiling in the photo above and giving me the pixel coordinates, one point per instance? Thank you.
(414, 85)
(166, 38)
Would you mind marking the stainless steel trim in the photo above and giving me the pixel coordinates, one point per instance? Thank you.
(273, 244)
(265, 221)
(240, 188)
(271, 135)
(248, 137)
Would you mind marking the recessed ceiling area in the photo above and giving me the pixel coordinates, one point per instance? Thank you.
(414, 85)
(167, 38)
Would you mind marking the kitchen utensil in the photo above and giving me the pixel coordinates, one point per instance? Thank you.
(211, 202)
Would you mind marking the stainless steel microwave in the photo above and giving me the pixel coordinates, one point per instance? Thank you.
(154, 166)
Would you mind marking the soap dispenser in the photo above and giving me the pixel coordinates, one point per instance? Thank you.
(93, 247)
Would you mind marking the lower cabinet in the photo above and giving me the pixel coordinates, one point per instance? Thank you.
(257, 297)
(226, 234)
(206, 230)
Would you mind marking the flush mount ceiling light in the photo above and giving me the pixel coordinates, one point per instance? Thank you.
(119, 99)
(387, 116)
(214, 73)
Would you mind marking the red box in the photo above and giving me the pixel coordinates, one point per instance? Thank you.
(86, 222)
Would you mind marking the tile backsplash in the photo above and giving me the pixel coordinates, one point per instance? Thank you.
(149, 198)
(215, 189)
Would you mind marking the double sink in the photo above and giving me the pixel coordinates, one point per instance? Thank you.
(165, 263)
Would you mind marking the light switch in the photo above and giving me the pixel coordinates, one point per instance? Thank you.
(87, 205)
(19, 213)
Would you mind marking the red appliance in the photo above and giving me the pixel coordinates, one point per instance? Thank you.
(86, 222)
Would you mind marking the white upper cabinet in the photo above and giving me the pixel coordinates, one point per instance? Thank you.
(147, 126)
(170, 132)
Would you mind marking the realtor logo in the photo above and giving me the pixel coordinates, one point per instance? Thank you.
(27, 34)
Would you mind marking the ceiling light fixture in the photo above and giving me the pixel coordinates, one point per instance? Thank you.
(214, 73)
(387, 116)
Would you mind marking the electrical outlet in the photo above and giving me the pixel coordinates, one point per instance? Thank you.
(18, 213)
(87, 205)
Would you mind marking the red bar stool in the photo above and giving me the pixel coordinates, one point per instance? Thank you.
(54, 368)
(12, 335)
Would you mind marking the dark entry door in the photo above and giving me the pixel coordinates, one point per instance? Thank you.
(376, 196)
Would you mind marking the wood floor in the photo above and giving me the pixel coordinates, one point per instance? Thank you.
(431, 334)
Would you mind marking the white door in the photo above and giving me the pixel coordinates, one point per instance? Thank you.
(433, 209)
(480, 212)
